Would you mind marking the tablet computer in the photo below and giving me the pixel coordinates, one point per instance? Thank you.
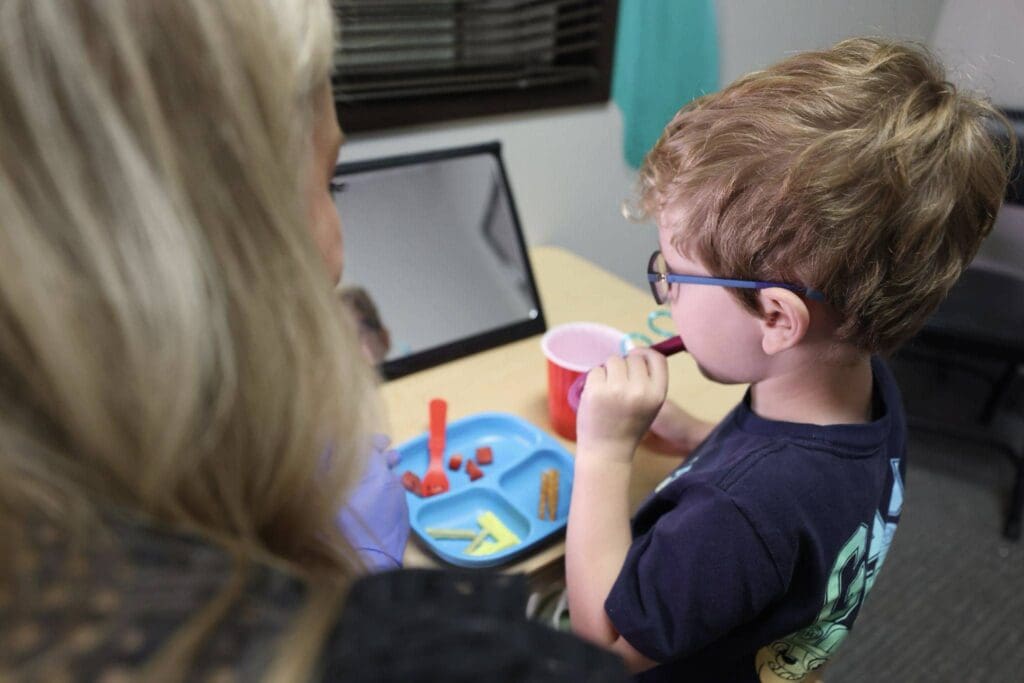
(436, 266)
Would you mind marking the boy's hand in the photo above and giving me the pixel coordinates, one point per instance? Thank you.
(619, 402)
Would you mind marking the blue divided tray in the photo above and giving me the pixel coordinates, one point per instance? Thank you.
(510, 487)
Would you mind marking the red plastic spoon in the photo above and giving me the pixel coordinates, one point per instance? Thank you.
(435, 480)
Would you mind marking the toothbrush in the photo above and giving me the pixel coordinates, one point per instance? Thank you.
(669, 347)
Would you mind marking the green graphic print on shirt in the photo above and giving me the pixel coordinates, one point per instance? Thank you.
(854, 572)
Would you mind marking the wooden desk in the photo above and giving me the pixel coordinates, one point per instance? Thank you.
(513, 378)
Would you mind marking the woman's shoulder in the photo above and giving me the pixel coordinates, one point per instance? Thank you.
(429, 625)
(111, 608)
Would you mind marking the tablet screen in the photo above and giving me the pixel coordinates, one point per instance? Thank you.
(435, 261)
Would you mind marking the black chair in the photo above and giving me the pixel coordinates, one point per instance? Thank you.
(981, 325)
(980, 329)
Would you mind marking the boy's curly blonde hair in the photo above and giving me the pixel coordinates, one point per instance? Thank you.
(858, 170)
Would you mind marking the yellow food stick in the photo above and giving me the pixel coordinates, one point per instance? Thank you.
(494, 527)
(477, 540)
(434, 532)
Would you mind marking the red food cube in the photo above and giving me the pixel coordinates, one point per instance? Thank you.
(473, 471)
(455, 462)
(484, 455)
(411, 482)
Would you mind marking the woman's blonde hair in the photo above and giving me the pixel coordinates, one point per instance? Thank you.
(857, 170)
(170, 343)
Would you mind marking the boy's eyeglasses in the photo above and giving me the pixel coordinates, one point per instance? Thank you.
(660, 279)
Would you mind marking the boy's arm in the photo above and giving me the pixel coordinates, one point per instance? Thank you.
(676, 432)
(596, 547)
(616, 409)
(597, 540)
(635, 660)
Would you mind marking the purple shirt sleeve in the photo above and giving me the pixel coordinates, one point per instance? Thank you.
(375, 519)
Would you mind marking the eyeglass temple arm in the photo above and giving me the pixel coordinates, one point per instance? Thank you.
(809, 292)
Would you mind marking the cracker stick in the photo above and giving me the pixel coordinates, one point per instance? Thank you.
(543, 499)
(553, 493)
(547, 494)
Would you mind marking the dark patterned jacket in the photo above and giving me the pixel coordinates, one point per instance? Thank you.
(100, 616)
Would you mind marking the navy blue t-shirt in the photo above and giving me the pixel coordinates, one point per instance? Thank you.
(760, 549)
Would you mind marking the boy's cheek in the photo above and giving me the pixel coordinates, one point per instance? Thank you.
(723, 339)
(691, 314)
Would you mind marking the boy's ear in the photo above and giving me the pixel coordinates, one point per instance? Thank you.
(785, 322)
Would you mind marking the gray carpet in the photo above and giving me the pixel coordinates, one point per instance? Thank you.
(949, 602)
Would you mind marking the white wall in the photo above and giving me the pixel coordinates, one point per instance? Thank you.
(980, 42)
(567, 174)
(755, 33)
(566, 167)
(981, 45)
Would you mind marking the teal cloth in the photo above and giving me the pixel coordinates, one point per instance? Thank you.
(666, 54)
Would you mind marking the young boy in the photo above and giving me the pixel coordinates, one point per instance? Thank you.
(841, 193)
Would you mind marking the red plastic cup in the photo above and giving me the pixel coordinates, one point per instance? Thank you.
(573, 349)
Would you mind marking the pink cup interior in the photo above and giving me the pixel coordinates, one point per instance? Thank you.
(580, 346)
